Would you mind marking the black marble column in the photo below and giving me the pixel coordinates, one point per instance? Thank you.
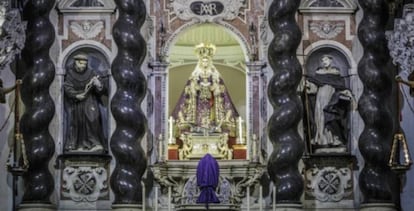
(288, 146)
(126, 104)
(38, 73)
(377, 182)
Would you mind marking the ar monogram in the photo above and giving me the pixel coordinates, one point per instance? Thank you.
(207, 8)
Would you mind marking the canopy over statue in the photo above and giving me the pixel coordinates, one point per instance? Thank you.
(205, 105)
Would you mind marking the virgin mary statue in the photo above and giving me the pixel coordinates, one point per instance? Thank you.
(205, 105)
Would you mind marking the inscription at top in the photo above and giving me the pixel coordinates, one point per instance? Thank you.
(207, 8)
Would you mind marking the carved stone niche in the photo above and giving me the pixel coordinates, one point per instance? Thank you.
(12, 35)
(329, 181)
(84, 181)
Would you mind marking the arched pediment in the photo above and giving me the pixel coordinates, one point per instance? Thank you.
(328, 6)
(67, 6)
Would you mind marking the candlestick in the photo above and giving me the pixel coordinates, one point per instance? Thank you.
(169, 198)
(274, 197)
(248, 198)
(156, 198)
(160, 148)
(260, 198)
(259, 155)
(143, 195)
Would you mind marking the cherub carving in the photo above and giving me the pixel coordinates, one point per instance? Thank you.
(326, 29)
(224, 149)
(86, 30)
(187, 147)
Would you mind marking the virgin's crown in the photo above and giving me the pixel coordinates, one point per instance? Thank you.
(205, 50)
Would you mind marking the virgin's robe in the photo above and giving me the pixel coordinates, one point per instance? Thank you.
(205, 104)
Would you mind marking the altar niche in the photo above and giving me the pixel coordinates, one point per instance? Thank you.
(205, 119)
(213, 98)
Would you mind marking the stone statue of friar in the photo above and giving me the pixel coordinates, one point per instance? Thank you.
(83, 89)
(331, 102)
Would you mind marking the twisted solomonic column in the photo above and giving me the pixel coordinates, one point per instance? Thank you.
(126, 106)
(376, 181)
(38, 74)
(288, 146)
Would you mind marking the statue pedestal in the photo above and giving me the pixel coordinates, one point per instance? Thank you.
(239, 152)
(329, 180)
(84, 181)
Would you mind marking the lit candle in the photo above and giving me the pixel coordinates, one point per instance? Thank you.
(240, 131)
(248, 145)
(170, 139)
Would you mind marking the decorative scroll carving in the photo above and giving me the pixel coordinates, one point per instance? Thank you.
(195, 146)
(401, 40)
(329, 184)
(12, 35)
(86, 29)
(235, 177)
(84, 184)
(208, 10)
(326, 29)
(191, 191)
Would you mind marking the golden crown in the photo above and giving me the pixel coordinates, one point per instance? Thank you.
(205, 50)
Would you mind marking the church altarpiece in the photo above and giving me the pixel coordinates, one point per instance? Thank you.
(174, 167)
(327, 182)
(82, 29)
